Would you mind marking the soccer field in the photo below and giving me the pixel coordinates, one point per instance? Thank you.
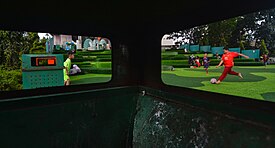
(258, 82)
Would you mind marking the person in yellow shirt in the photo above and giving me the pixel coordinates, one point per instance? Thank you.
(67, 67)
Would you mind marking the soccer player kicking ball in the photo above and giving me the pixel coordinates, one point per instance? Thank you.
(227, 60)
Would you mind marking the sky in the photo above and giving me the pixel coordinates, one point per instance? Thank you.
(41, 35)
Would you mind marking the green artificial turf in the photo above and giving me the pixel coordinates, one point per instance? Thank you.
(90, 78)
(258, 82)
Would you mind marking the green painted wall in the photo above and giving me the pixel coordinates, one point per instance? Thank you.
(90, 119)
(162, 124)
(122, 117)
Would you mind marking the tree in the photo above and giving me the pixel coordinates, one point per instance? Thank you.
(220, 33)
(11, 45)
(14, 43)
(194, 35)
(263, 48)
(242, 45)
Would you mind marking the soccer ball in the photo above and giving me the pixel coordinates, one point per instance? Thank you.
(213, 81)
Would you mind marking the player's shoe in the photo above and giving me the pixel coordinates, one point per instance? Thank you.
(240, 75)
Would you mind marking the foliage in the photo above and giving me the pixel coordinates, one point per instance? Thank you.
(97, 70)
(11, 47)
(100, 52)
(15, 43)
(10, 79)
(263, 48)
(239, 31)
(241, 45)
(213, 62)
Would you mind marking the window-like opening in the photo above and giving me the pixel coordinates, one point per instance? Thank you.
(234, 56)
(30, 60)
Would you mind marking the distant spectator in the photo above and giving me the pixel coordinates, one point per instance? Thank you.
(191, 60)
(197, 61)
(265, 59)
(205, 62)
(217, 56)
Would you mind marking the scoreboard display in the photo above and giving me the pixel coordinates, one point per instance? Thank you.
(43, 61)
(42, 70)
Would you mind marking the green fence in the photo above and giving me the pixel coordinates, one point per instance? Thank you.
(185, 46)
(254, 54)
(194, 48)
(235, 50)
(205, 48)
(218, 50)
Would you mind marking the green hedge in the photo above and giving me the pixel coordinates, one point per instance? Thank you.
(211, 61)
(235, 60)
(97, 70)
(101, 64)
(79, 64)
(93, 64)
(104, 56)
(248, 64)
(83, 59)
(179, 51)
(84, 56)
(104, 59)
(169, 53)
(10, 80)
(239, 62)
(104, 52)
(174, 57)
(174, 62)
(164, 67)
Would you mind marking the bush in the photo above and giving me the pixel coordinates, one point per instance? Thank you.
(173, 62)
(169, 53)
(104, 56)
(101, 52)
(10, 80)
(97, 70)
(248, 64)
(104, 59)
(172, 57)
(83, 59)
(60, 52)
(79, 64)
(104, 64)
(175, 50)
(237, 62)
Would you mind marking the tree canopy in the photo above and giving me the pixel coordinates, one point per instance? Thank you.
(247, 31)
(14, 43)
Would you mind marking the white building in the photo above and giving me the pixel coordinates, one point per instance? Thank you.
(59, 39)
(167, 43)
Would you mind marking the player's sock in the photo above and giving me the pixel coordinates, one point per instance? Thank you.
(240, 75)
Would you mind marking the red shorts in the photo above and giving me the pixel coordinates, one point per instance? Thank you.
(227, 70)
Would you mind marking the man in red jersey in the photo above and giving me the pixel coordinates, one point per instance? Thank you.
(227, 60)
